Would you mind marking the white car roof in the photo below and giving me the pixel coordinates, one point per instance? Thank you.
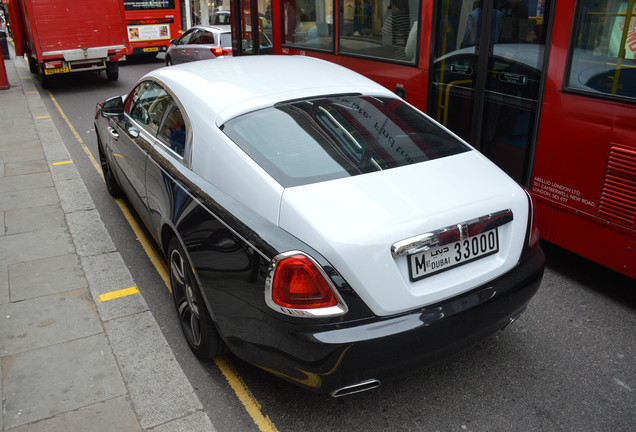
(230, 86)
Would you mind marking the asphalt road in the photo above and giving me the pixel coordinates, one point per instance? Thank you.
(568, 364)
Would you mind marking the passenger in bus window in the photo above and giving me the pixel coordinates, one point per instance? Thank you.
(473, 25)
(397, 26)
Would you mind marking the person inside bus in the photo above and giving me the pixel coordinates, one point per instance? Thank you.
(473, 25)
(397, 26)
(362, 18)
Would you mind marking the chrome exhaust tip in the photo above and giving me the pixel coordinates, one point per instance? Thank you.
(356, 388)
(512, 319)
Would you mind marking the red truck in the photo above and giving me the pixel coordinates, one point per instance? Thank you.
(66, 36)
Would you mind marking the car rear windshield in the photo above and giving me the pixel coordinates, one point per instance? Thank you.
(308, 141)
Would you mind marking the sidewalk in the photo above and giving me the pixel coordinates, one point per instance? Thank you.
(70, 362)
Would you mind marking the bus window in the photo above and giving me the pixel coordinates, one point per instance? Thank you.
(380, 29)
(308, 24)
(603, 57)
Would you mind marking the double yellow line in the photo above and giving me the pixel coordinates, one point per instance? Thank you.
(252, 406)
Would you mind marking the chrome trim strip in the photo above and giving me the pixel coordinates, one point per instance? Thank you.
(450, 234)
(339, 309)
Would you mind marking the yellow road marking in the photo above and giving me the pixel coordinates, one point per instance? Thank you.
(118, 294)
(252, 406)
(77, 137)
(29, 92)
(244, 394)
(62, 163)
(42, 117)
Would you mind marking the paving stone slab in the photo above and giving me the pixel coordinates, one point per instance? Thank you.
(46, 276)
(28, 198)
(25, 154)
(26, 167)
(45, 382)
(197, 422)
(158, 387)
(11, 183)
(34, 219)
(74, 196)
(46, 321)
(35, 245)
(64, 171)
(114, 415)
(89, 233)
(107, 273)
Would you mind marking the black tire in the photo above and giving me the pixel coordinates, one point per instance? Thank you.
(33, 64)
(197, 326)
(168, 61)
(45, 80)
(112, 71)
(111, 182)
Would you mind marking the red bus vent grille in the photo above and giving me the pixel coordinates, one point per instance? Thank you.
(618, 199)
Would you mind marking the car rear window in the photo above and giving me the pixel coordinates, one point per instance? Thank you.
(308, 141)
(225, 40)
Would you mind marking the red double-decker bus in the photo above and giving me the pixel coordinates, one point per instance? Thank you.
(151, 24)
(546, 89)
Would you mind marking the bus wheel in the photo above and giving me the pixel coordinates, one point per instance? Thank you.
(112, 71)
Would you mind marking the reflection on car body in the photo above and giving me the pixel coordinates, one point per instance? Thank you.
(291, 215)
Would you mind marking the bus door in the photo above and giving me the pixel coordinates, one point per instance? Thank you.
(251, 27)
(485, 80)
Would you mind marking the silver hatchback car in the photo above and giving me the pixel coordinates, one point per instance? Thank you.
(201, 42)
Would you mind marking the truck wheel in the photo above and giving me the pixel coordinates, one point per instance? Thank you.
(33, 64)
(45, 80)
(112, 71)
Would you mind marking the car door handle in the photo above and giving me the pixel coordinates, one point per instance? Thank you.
(112, 132)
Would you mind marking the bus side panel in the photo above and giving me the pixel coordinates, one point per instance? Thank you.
(578, 135)
(407, 80)
(580, 138)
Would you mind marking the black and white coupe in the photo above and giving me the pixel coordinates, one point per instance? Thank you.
(315, 224)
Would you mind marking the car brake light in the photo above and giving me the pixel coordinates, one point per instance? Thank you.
(297, 285)
(220, 52)
(533, 237)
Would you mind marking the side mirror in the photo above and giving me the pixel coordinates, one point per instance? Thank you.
(173, 42)
(113, 107)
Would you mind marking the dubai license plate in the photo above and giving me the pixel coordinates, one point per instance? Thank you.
(52, 71)
(442, 258)
(151, 49)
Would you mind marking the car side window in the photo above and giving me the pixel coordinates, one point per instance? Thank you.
(147, 104)
(202, 38)
(173, 130)
(185, 39)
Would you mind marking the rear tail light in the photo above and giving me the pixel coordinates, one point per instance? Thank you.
(533, 229)
(218, 52)
(54, 64)
(297, 285)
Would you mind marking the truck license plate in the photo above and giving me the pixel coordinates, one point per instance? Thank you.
(52, 71)
(151, 49)
(441, 258)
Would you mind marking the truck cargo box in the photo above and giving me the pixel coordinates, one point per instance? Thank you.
(65, 36)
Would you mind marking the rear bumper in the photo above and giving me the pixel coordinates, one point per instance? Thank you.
(325, 358)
